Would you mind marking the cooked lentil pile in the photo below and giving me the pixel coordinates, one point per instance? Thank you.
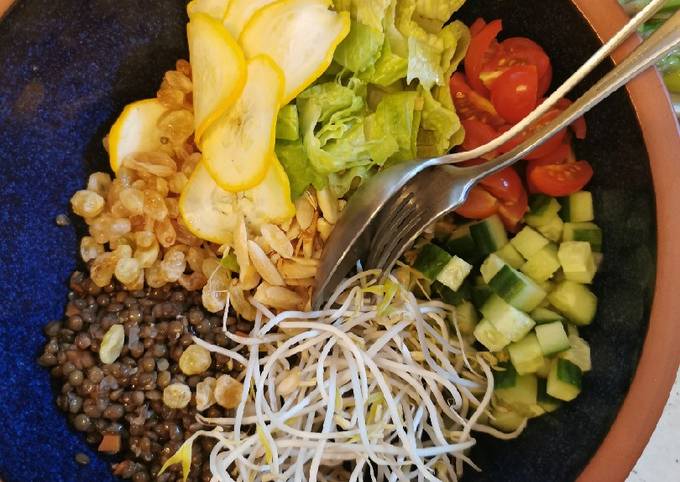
(125, 407)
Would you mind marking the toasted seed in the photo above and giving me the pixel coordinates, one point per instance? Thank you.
(324, 228)
(304, 212)
(112, 344)
(278, 297)
(263, 265)
(293, 270)
(228, 391)
(249, 278)
(205, 394)
(241, 305)
(278, 240)
(328, 204)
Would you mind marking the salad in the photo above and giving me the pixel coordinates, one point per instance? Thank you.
(190, 340)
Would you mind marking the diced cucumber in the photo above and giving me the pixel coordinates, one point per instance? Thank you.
(431, 260)
(522, 396)
(542, 265)
(572, 329)
(480, 293)
(576, 258)
(454, 273)
(489, 234)
(462, 244)
(466, 317)
(528, 242)
(490, 337)
(544, 370)
(526, 355)
(545, 401)
(579, 353)
(578, 207)
(510, 255)
(575, 301)
(517, 289)
(505, 377)
(552, 229)
(542, 209)
(506, 419)
(552, 338)
(491, 265)
(507, 319)
(564, 381)
(588, 232)
(544, 315)
(447, 295)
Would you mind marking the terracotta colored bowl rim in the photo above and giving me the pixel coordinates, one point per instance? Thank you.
(660, 356)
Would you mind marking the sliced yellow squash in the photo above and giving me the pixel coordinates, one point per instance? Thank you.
(239, 12)
(215, 8)
(269, 201)
(299, 35)
(136, 130)
(238, 147)
(213, 214)
(218, 69)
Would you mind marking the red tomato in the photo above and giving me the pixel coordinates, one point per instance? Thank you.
(477, 26)
(478, 52)
(579, 125)
(515, 93)
(518, 51)
(471, 105)
(511, 213)
(505, 185)
(558, 156)
(559, 179)
(548, 147)
(477, 133)
(480, 204)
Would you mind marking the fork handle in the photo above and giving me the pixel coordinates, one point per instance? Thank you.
(646, 55)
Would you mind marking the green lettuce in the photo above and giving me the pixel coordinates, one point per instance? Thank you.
(384, 99)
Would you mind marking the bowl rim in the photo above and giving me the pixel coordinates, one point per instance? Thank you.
(660, 356)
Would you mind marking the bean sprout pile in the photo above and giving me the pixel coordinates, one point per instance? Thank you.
(377, 378)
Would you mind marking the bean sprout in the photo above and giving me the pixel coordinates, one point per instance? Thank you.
(372, 386)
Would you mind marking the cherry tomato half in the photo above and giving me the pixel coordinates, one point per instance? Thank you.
(480, 204)
(546, 148)
(479, 51)
(477, 26)
(512, 212)
(562, 154)
(559, 179)
(515, 93)
(505, 185)
(470, 104)
(579, 126)
(477, 133)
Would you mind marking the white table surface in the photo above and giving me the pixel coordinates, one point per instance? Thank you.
(660, 462)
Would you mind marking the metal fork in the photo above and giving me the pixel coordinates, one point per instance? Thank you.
(353, 235)
(441, 189)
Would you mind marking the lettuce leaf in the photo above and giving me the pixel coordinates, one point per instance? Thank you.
(360, 49)
(437, 127)
(288, 123)
(388, 69)
(301, 174)
(439, 10)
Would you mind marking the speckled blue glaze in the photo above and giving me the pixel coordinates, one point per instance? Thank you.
(68, 67)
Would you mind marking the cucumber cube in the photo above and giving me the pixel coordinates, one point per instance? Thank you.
(575, 301)
(578, 353)
(542, 265)
(462, 244)
(511, 256)
(564, 381)
(480, 294)
(552, 338)
(517, 289)
(545, 401)
(506, 419)
(552, 229)
(454, 273)
(431, 260)
(489, 234)
(544, 315)
(505, 377)
(466, 317)
(490, 337)
(491, 265)
(542, 209)
(544, 371)
(522, 397)
(507, 319)
(448, 296)
(588, 232)
(578, 264)
(526, 355)
(528, 242)
(578, 207)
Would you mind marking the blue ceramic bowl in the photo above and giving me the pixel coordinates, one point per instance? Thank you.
(68, 68)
